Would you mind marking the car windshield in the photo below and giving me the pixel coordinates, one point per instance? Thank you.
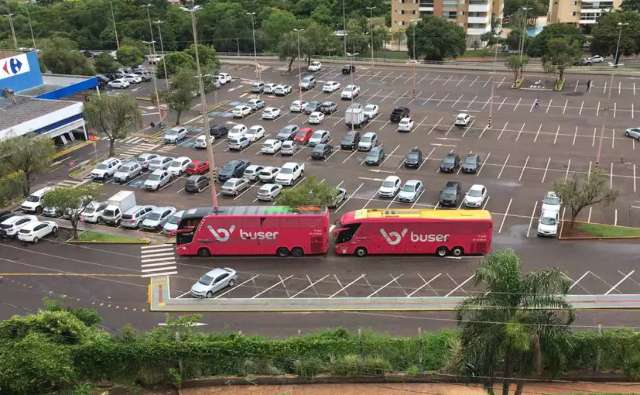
(461, 117)
(124, 168)
(33, 198)
(89, 209)
(286, 170)
(471, 160)
(475, 193)
(300, 133)
(551, 200)
(5, 226)
(374, 153)
(153, 216)
(230, 184)
(171, 134)
(228, 167)
(409, 188)
(548, 221)
(369, 107)
(142, 159)
(205, 280)
(101, 166)
(174, 219)
(317, 135)
(176, 163)
(388, 184)
(448, 194)
(318, 148)
(367, 139)
(412, 155)
(449, 160)
(155, 177)
(156, 162)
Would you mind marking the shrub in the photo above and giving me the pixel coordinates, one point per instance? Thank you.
(308, 367)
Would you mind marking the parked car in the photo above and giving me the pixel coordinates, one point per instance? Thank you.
(171, 226)
(390, 187)
(257, 87)
(450, 163)
(241, 111)
(133, 217)
(328, 107)
(196, 183)
(307, 82)
(371, 111)
(405, 125)
(551, 202)
(470, 163)
(289, 148)
(174, 135)
(398, 113)
(238, 130)
(255, 133)
(634, 133)
(375, 156)
(268, 192)
(463, 119)
(132, 78)
(348, 69)
(319, 137)
(339, 197)
(589, 60)
(271, 146)
(233, 168)
(224, 78)
(368, 141)
(270, 113)
(251, 172)
(330, 86)
(268, 87)
(218, 131)
(476, 196)
(234, 186)
(179, 166)
(127, 171)
(297, 105)
(311, 106)
(256, 104)
(105, 169)
(12, 225)
(350, 92)
(197, 167)
(282, 90)
(287, 133)
(160, 163)
(548, 223)
(451, 193)
(34, 202)
(238, 143)
(144, 159)
(290, 173)
(201, 141)
(411, 191)
(314, 66)
(413, 158)
(118, 84)
(303, 135)
(268, 173)
(93, 212)
(350, 140)
(156, 219)
(213, 281)
(36, 230)
(316, 117)
(321, 151)
(157, 180)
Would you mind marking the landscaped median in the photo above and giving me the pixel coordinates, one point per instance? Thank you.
(91, 236)
(583, 231)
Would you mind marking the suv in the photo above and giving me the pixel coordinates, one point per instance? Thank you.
(328, 107)
(450, 163)
(368, 141)
(451, 194)
(470, 163)
(134, 216)
(196, 183)
(218, 131)
(398, 113)
(239, 143)
(350, 140)
(307, 82)
(173, 135)
(33, 202)
(233, 168)
(413, 159)
(128, 170)
(105, 169)
(257, 87)
(348, 69)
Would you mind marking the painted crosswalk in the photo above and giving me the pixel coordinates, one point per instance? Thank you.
(157, 260)
(131, 151)
(71, 183)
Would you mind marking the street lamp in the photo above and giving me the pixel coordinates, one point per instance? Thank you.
(414, 60)
(33, 38)
(344, 28)
(164, 64)
(255, 53)
(147, 6)
(115, 29)
(13, 32)
(155, 84)
(620, 24)
(203, 106)
(524, 32)
(299, 72)
(353, 98)
(371, 29)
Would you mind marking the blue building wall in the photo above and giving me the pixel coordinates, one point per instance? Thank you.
(89, 83)
(27, 80)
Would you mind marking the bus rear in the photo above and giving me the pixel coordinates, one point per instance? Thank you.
(411, 231)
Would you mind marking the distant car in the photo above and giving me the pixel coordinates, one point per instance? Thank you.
(371, 111)
(350, 140)
(93, 212)
(311, 106)
(398, 113)
(328, 107)
(196, 183)
(12, 225)
(157, 180)
(315, 66)
(548, 223)
(174, 135)
(105, 169)
(213, 281)
(316, 117)
(234, 186)
(368, 141)
(287, 133)
(218, 131)
(118, 84)
(413, 158)
(634, 133)
(251, 172)
(34, 202)
(389, 187)
(268, 192)
(339, 197)
(144, 159)
(588, 61)
(270, 113)
(256, 104)
(271, 146)
(470, 163)
(350, 92)
(282, 90)
(238, 143)
(410, 191)
(257, 87)
(450, 163)
(551, 202)
(348, 69)
(36, 230)
(290, 173)
(289, 148)
(233, 168)
(307, 82)
(127, 171)
(224, 78)
(160, 163)
(451, 194)
(405, 125)
(476, 196)
(268, 173)
(201, 141)
(268, 87)
(197, 167)
(241, 111)
(319, 137)
(297, 106)
(303, 135)
(171, 226)
(179, 166)
(132, 78)
(330, 86)
(463, 119)
(375, 156)
(133, 217)
(156, 219)
(255, 133)
(321, 151)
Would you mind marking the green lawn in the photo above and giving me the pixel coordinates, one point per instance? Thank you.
(608, 230)
(89, 235)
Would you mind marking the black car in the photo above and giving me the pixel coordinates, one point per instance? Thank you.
(413, 158)
(398, 113)
(375, 156)
(328, 107)
(218, 131)
(350, 140)
(287, 133)
(321, 151)
(451, 194)
(233, 168)
(348, 69)
(470, 163)
(196, 183)
(311, 107)
(450, 163)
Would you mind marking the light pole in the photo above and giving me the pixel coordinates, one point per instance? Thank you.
(13, 32)
(524, 32)
(415, 60)
(299, 72)
(155, 84)
(115, 29)
(203, 106)
(344, 29)
(353, 98)
(620, 24)
(153, 42)
(33, 38)
(493, 71)
(166, 78)
(255, 53)
(371, 29)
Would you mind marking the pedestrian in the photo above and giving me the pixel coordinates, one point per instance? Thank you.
(536, 103)
(588, 85)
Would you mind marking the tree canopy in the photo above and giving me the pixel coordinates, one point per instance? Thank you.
(538, 44)
(606, 32)
(114, 116)
(310, 192)
(26, 155)
(436, 39)
(180, 93)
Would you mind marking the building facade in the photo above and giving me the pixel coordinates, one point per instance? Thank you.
(580, 12)
(474, 16)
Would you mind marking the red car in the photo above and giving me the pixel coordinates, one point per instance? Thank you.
(197, 167)
(303, 135)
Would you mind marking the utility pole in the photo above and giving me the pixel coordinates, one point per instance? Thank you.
(13, 31)
(299, 72)
(164, 65)
(33, 38)
(415, 60)
(615, 60)
(155, 84)
(344, 27)
(255, 53)
(371, 30)
(147, 6)
(524, 34)
(353, 99)
(115, 29)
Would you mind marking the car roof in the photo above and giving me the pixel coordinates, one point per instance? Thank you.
(160, 157)
(391, 178)
(370, 134)
(253, 167)
(159, 171)
(476, 186)
(160, 209)
(16, 218)
(218, 271)
(33, 224)
(411, 182)
(136, 208)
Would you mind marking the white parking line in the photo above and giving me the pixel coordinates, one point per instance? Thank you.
(520, 132)
(375, 193)
(427, 158)
(523, 168)
(619, 87)
(611, 176)
(474, 81)
(613, 138)
(589, 217)
(462, 79)
(504, 165)
(575, 134)
(503, 101)
(389, 155)
(566, 101)
(501, 82)
(538, 133)
(426, 101)
(506, 214)
(566, 174)
(615, 106)
(555, 139)
(443, 99)
(593, 141)
(615, 217)
(632, 111)
(517, 104)
(350, 155)
(421, 79)
(472, 100)
(503, 129)
(456, 102)
(487, 82)
(634, 178)
(581, 105)
(482, 165)
(448, 79)
(435, 79)
(435, 126)
(549, 105)
(546, 169)
(598, 108)
(533, 213)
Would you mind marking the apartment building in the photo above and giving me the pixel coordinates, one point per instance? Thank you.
(581, 12)
(473, 15)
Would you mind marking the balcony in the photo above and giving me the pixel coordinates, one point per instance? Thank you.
(479, 7)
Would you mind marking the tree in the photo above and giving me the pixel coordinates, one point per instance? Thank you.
(535, 7)
(630, 5)
(538, 45)
(60, 56)
(277, 24)
(71, 201)
(129, 55)
(288, 48)
(318, 39)
(113, 116)
(514, 40)
(436, 39)
(27, 155)
(310, 192)
(175, 61)
(179, 97)
(517, 322)
(516, 64)
(578, 193)
(606, 32)
(105, 63)
(209, 61)
(560, 54)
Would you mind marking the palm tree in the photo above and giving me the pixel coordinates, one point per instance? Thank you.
(514, 323)
(114, 116)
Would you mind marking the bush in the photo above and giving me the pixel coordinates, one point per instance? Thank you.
(308, 367)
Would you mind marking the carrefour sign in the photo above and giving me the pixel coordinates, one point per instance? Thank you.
(13, 66)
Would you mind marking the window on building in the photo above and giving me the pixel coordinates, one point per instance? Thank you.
(413, 12)
(574, 13)
(476, 25)
(425, 13)
(426, 3)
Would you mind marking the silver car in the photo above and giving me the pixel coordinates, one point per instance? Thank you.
(160, 162)
(634, 133)
(410, 191)
(127, 171)
(251, 172)
(234, 186)
(156, 219)
(214, 281)
(144, 159)
(134, 216)
(157, 180)
(268, 192)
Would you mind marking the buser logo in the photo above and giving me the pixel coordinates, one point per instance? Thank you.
(221, 234)
(394, 238)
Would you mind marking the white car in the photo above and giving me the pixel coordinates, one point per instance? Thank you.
(255, 133)
(256, 104)
(157, 217)
(289, 173)
(201, 141)
(405, 125)
(144, 159)
(371, 111)
(238, 143)
(213, 281)
(33, 202)
(289, 148)
(93, 212)
(268, 173)
(179, 166)
(157, 180)
(269, 87)
(551, 202)
(241, 111)
(160, 163)
(319, 137)
(105, 169)
(118, 84)
(316, 117)
(297, 105)
(330, 86)
(410, 191)
(368, 141)
(251, 172)
(548, 223)
(36, 230)
(463, 119)
(315, 66)
(350, 92)
(132, 78)
(224, 78)
(234, 186)
(171, 226)
(270, 113)
(390, 187)
(271, 146)
(173, 135)
(10, 226)
(476, 196)
(268, 192)
(282, 90)
(238, 130)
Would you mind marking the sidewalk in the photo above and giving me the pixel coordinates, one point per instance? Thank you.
(154, 238)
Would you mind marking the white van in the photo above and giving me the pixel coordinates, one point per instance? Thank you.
(548, 223)
(33, 202)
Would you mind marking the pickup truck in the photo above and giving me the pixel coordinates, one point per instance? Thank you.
(290, 173)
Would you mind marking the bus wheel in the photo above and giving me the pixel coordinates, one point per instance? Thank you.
(360, 252)
(204, 252)
(441, 251)
(282, 251)
(457, 251)
(297, 251)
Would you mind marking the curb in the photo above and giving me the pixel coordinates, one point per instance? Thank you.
(598, 238)
(69, 150)
(107, 242)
